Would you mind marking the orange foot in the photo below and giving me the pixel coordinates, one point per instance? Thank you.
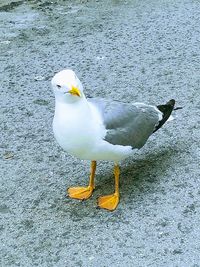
(109, 202)
(80, 192)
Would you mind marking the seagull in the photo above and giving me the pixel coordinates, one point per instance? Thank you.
(101, 129)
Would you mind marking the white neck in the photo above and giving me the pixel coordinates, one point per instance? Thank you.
(70, 109)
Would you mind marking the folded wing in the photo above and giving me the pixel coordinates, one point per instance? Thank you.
(127, 124)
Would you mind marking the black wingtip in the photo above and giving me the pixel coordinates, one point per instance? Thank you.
(166, 110)
(171, 102)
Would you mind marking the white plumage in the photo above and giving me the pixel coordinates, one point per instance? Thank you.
(100, 129)
(78, 125)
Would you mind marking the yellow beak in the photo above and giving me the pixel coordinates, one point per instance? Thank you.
(75, 91)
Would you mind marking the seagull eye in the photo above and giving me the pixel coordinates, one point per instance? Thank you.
(59, 86)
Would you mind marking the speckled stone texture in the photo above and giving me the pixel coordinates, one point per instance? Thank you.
(133, 51)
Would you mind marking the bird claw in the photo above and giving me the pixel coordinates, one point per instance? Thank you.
(108, 202)
(81, 193)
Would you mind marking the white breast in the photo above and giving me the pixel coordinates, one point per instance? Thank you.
(77, 127)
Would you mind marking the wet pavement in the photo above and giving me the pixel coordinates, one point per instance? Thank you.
(132, 50)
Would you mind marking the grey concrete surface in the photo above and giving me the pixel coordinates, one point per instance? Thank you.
(132, 50)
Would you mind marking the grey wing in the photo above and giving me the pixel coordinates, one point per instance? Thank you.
(127, 124)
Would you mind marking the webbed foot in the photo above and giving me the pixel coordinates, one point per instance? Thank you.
(108, 202)
(80, 192)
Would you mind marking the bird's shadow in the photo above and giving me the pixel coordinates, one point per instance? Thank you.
(137, 178)
(140, 175)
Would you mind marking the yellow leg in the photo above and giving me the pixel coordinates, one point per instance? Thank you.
(84, 192)
(110, 202)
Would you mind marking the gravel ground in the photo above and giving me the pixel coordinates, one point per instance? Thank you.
(132, 50)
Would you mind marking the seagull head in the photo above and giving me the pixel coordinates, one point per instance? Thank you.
(67, 87)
